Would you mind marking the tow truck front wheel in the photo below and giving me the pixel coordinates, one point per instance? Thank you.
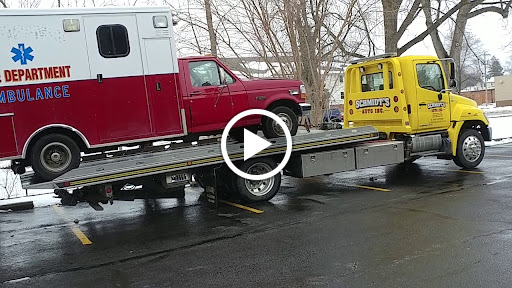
(257, 190)
(470, 149)
(54, 155)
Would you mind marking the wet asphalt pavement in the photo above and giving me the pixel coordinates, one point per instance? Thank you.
(437, 226)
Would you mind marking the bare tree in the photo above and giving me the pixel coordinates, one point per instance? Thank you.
(300, 39)
(3, 3)
(211, 31)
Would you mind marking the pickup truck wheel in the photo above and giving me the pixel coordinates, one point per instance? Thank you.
(470, 149)
(54, 155)
(238, 133)
(272, 130)
(261, 190)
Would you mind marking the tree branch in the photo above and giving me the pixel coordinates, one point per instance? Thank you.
(3, 3)
(408, 19)
(425, 33)
(502, 11)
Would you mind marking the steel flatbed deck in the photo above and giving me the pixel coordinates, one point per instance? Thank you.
(189, 158)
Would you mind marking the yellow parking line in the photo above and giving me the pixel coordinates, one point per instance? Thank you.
(468, 171)
(371, 188)
(242, 207)
(497, 155)
(78, 233)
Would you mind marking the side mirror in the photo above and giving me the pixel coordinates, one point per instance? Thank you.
(452, 71)
(223, 80)
(453, 83)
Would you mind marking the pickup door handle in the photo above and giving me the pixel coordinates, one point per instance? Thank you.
(423, 104)
(195, 93)
(99, 77)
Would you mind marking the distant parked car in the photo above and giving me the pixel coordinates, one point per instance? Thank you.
(333, 115)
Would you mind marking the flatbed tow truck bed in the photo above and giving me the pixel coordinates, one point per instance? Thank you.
(319, 148)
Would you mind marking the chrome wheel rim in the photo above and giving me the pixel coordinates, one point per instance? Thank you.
(259, 187)
(55, 157)
(472, 148)
(286, 119)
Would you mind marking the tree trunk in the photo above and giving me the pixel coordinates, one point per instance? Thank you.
(211, 31)
(458, 38)
(391, 8)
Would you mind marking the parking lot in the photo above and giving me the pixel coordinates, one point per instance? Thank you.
(429, 224)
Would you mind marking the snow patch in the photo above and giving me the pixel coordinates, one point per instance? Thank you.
(44, 200)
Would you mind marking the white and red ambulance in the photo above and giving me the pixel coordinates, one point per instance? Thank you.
(80, 80)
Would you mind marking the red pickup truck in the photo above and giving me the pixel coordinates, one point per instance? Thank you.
(87, 80)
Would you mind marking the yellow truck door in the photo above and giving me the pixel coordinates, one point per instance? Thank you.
(433, 112)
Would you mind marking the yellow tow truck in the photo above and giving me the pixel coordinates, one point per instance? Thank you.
(410, 99)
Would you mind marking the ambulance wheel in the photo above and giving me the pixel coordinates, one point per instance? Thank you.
(260, 190)
(470, 149)
(54, 155)
(272, 130)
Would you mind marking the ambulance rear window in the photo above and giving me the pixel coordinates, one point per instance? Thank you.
(113, 41)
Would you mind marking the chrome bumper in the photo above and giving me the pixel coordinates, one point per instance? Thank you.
(304, 108)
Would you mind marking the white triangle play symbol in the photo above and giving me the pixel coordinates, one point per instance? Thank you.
(253, 144)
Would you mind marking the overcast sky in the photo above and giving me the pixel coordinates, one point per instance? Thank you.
(493, 31)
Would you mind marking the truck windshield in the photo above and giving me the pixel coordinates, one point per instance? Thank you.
(430, 76)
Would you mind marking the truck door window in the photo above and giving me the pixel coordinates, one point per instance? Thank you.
(113, 41)
(204, 73)
(430, 76)
(372, 82)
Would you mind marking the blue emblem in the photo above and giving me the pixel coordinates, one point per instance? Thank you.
(22, 54)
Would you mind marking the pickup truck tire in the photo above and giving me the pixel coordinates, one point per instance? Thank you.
(238, 133)
(272, 130)
(256, 191)
(470, 149)
(54, 155)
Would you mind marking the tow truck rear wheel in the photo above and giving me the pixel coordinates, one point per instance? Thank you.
(272, 130)
(261, 190)
(470, 149)
(54, 155)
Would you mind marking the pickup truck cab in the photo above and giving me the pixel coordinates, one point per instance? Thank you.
(410, 99)
(88, 80)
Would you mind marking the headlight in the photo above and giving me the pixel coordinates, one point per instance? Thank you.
(303, 91)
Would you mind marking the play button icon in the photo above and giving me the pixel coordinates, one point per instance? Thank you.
(253, 144)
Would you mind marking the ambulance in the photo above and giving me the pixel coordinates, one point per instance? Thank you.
(74, 81)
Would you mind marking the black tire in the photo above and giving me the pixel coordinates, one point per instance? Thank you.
(63, 146)
(237, 134)
(268, 123)
(470, 149)
(248, 190)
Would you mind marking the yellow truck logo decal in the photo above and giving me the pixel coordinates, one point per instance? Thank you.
(374, 102)
(436, 105)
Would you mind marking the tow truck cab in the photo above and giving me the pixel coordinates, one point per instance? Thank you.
(409, 98)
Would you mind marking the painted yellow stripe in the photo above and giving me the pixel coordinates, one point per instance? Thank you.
(242, 207)
(468, 171)
(131, 173)
(209, 160)
(497, 155)
(371, 188)
(80, 235)
(74, 228)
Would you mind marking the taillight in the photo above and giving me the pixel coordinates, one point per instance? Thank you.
(302, 91)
